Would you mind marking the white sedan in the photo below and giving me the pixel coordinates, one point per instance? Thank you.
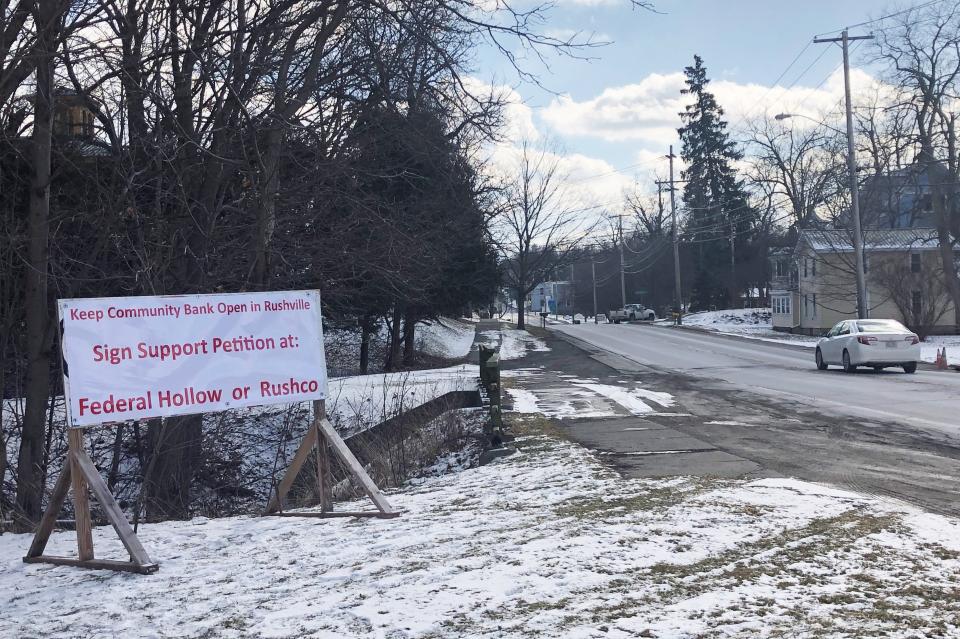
(877, 343)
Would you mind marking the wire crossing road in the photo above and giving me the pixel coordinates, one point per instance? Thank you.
(927, 399)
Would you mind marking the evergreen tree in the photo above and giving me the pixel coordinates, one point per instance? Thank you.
(719, 220)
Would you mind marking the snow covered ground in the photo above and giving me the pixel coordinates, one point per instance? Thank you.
(545, 543)
(357, 403)
(746, 322)
(568, 397)
(513, 343)
(447, 338)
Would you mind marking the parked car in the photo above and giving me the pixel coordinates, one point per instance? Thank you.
(632, 312)
(877, 343)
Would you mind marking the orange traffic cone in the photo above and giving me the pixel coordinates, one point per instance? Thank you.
(941, 357)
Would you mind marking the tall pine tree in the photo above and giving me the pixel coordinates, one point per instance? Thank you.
(719, 220)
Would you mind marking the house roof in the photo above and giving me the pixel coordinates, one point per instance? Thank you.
(841, 241)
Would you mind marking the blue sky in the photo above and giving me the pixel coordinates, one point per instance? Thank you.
(619, 110)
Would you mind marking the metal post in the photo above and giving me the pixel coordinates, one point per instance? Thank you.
(677, 297)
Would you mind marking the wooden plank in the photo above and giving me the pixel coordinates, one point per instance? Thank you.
(324, 471)
(111, 509)
(95, 564)
(81, 499)
(276, 501)
(49, 519)
(339, 513)
(359, 474)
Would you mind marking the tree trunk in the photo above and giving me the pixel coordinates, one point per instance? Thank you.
(3, 440)
(266, 212)
(521, 300)
(175, 445)
(29, 471)
(115, 457)
(365, 331)
(393, 350)
(942, 211)
(409, 335)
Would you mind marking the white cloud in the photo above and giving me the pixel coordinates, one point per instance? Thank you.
(649, 111)
(588, 181)
(517, 117)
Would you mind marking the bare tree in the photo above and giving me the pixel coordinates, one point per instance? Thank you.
(921, 48)
(795, 163)
(650, 212)
(921, 298)
(539, 229)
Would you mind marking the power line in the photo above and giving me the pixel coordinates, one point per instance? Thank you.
(882, 18)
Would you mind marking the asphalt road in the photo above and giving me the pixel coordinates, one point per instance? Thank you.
(928, 399)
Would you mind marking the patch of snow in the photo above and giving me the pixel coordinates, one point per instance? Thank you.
(514, 343)
(359, 402)
(523, 400)
(754, 323)
(621, 396)
(447, 338)
(928, 348)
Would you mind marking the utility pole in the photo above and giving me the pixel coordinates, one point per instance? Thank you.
(623, 286)
(844, 40)
(677, 297)
(573, 293)
(593, 272)
(733, 264)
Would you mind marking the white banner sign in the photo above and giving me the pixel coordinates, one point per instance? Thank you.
(138, 357)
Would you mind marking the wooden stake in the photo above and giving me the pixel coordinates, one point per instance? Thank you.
(81, 500)
(324, 436)
(324, 474)
(359, 474)
(299, 459)
(79, 470)
(49, 519)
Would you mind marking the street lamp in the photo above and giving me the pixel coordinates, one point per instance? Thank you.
(854, 199)
(784, 116)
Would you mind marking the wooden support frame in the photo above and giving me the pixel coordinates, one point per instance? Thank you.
(323, 437)
(80, 473)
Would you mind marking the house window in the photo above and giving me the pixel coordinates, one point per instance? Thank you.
(781, 305)
(813, 266)
(916, 303)
(781, 268)
(813, 306)
(915, 265)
